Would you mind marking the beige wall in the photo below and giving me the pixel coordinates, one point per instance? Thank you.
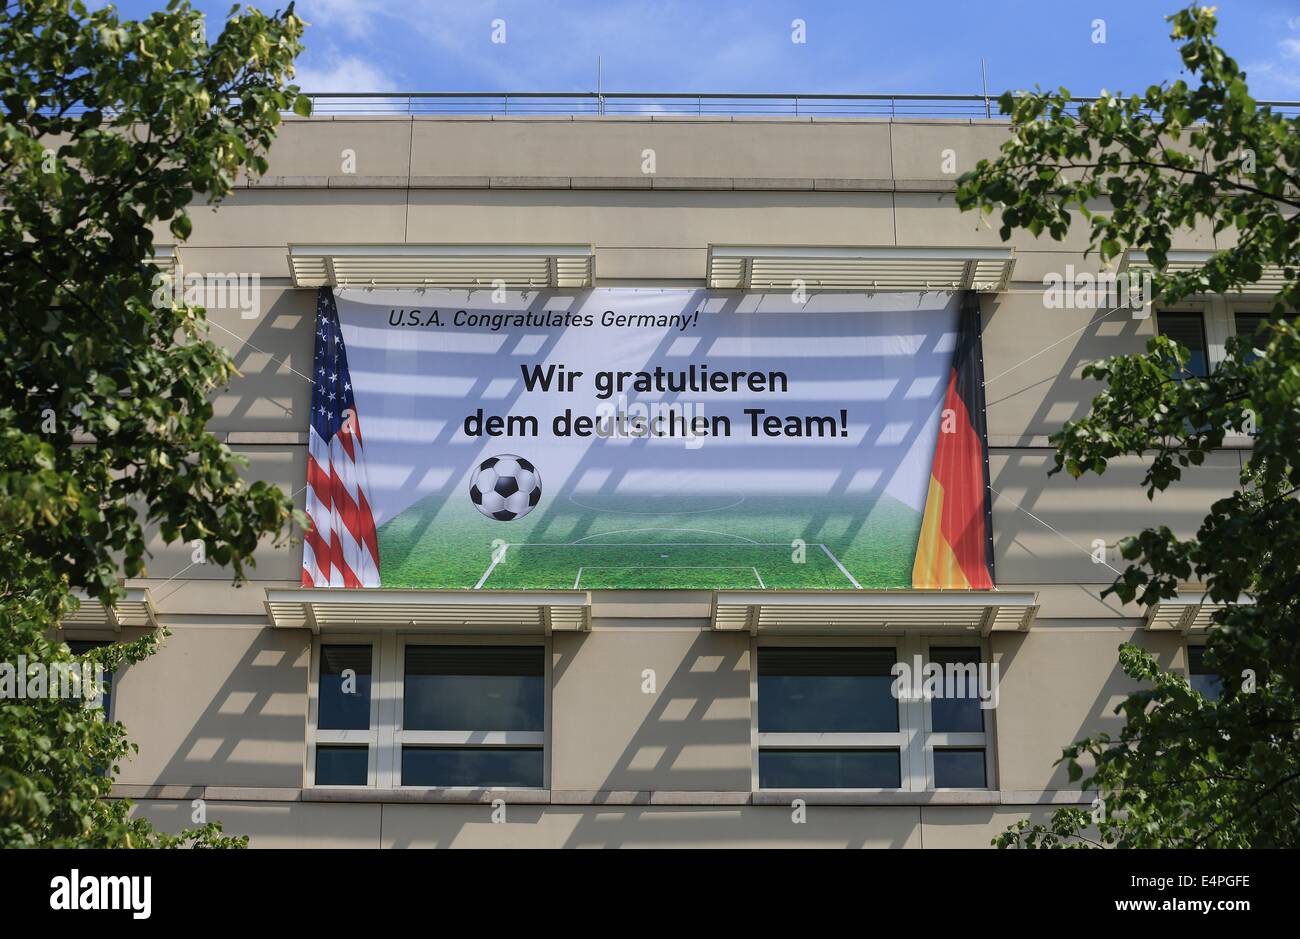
(396, 825)
(1058, 683)
(222, 709)
(224, 706)
(691, 734)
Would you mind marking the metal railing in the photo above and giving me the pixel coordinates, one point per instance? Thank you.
(591, 103)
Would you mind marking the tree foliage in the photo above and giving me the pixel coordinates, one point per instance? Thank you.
(108, 130)
(1139, 170)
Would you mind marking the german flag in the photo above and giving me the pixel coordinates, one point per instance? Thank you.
(955, 549)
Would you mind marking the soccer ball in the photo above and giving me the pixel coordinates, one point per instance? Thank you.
(505, 487)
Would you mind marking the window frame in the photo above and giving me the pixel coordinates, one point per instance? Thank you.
(915, 740)
(1187, 662)
(386, 736)
(1213, 329)
(98, 641)
(956, 740)
(1254, 305)
(317, 735)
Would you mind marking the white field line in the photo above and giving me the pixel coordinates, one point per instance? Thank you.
(759, 578)
(655, 567)
(652, 544)
(497, 557)
(843, 570)
(701, 531)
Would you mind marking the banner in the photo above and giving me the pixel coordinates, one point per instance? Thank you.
(638, 438)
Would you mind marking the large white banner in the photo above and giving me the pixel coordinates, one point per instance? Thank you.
(647, 438)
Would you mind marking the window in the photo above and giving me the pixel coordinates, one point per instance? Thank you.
(857, 717)
(1249, 323)
(346, 740)
(397, 711)
(473, 715)
(839, 699)
(1202, 679)
(81, 647)
(1188, 330)
(957, 719)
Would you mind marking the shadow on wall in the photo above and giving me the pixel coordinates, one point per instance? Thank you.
(1056, 547)
(273, 352)
(218, 707)
(1047, 677)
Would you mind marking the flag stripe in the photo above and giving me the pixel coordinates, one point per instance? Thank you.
(341, 547)
(953, 550)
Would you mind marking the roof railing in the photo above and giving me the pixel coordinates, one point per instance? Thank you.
(698, 104)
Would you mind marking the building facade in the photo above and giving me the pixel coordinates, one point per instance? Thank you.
(640, 717)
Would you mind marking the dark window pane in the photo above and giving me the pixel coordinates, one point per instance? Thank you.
(958, 710)
(342, 766)
(474, 688)
(959, 769)
(344, 701)
(826, 690)
(1204, 681)
(1248, 324)
(829, 769)
(1187, 329)
(81, 647)
(472, 766)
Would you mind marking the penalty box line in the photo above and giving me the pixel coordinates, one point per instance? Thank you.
(499, 556)
(665, 567)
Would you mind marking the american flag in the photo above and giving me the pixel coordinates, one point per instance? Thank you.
(340, 548)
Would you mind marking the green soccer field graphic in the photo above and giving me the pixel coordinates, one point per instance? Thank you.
(617, 541)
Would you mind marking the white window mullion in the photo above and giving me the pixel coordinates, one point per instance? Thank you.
(1218, 327)
(313, 692)
(915, 718)
(388, 710)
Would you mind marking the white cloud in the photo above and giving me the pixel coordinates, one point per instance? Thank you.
(348, 73)
(356, 18)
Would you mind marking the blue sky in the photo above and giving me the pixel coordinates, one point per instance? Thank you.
(853, 46)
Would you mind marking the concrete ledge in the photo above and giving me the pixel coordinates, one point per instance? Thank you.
(248, 794)
(785, 797)
(925, 185)
(610, 182)
(1047, 797)
(128, 791)
(693, 182)
(852, 185)
(771, 797)
(776, 183)
(643, 797)
(467, 796)
(254, 437)
(369, 182)
(287, 182)
(703, 183)
(529, 182)
(449, 182)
